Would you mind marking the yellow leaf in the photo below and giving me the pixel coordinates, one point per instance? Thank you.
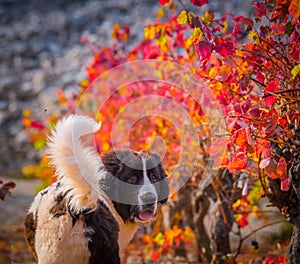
(84, 82)
(295, 71)
(160, 13)
(225, 26)
(105, 146)
(188, 234)
(252, 34)
(236, 204)
(196, 35)
(114, 31)
(207, 18)
(29, 171)
(26, 112)
(149, 32)
(182, 17)
(159, 239)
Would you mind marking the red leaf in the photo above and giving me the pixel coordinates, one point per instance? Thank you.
(243, 222)
(164, 2)
(224, 46)
(278, 29)
(236, 31)
(281, 169)
(272, 86)
(155, 256)
(270, 100)
(242, 107)
(260, 9)
(285, 185)
(269, 122)
(199, 2)
(204, 50)
(37, 125)
(5, 189)
(255, 112)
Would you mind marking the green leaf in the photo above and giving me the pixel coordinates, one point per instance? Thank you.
(39, 144)
(289, 28)
(295, 71)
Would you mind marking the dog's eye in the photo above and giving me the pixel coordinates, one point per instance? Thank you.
(153, 177)
(132, 179)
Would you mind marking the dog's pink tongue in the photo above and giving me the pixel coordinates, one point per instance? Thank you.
(145, 216)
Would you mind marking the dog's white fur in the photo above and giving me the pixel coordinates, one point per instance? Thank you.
(76, 165)
(77, 168)
(58, 234)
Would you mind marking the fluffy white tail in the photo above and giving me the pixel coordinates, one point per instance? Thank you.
(77, 166)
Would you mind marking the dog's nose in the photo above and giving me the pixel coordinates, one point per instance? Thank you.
(148, 198)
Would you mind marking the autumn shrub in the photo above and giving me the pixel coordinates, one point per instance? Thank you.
(252, 67)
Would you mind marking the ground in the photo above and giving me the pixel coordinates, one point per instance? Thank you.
(13, 248)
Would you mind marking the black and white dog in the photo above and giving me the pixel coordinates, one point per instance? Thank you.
(97, 204)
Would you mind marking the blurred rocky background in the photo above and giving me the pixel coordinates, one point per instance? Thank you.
(41, 50)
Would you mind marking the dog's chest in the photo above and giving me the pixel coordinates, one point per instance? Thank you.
(126, 233)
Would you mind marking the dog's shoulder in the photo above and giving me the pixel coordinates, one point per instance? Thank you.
(51, 218)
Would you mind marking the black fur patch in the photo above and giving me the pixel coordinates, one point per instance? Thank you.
(60, 206)
(30, 228)
(102, 230)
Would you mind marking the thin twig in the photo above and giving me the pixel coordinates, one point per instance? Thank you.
(242, 239)
(260, 177)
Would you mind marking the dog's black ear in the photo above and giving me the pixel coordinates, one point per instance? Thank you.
(112, 163)
(112, 166)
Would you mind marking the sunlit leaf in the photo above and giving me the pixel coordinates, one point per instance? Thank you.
(238, 162)
(165, 2)
(182, 17)
(160, 13)
(296, 70)
(294, 10)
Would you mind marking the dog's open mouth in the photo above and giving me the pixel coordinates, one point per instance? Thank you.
(145, 215)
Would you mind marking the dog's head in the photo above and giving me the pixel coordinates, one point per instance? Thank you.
(136, 183)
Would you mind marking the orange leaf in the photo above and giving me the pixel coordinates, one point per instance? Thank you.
(155, 255)
(294, 10)
(241, 137)
(238, 162)
(61, 97)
